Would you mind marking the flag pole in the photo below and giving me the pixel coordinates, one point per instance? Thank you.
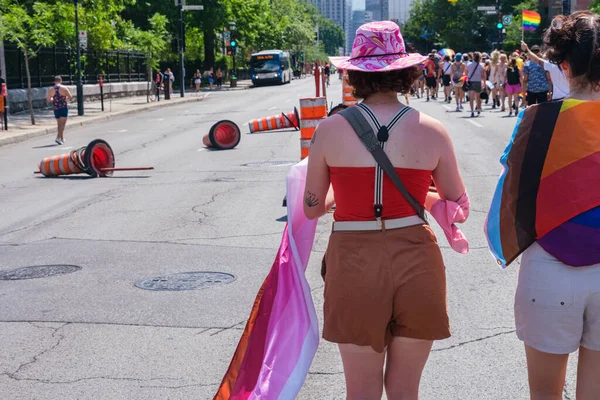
(522, 28)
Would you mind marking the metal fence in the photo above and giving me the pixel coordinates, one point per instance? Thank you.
(113, 65)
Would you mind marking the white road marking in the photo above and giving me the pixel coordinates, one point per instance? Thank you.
(287, 101)
(207, 94)
(159, 119)
(244, 124)
(272, 108)
(201, 149)
(121, 131)
(448, 108)
(477, 124)
(62, 148)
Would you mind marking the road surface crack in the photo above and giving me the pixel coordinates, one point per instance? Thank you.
(325, 373)
(55, 333)
(234, 326)
(182, 386)
(108, 195)
(474, 340)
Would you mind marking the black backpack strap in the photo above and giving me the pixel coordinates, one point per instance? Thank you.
(364, 131)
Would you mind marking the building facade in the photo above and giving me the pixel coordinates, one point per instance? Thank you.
(399, 10)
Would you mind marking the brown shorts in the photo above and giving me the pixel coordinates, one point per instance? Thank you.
(384, 284)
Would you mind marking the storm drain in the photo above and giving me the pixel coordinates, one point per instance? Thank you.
(186, 281)
(270, 163)
(37, 271)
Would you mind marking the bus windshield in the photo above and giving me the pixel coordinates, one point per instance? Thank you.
(265, 63)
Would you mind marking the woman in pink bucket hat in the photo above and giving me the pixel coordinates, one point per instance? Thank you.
(385, 281)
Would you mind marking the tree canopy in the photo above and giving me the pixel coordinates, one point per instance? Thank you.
(439, 23)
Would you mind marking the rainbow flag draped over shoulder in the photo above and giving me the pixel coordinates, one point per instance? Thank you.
(549, 177)
(281, 336)
(531, 20)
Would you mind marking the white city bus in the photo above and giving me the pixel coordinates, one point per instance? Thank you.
(270, 66)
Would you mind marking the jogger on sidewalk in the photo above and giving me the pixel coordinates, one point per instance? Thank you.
(59, 95)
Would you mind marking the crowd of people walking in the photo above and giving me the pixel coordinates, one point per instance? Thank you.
(521, 78)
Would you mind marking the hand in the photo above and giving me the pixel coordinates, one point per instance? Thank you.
(524, 47)
(549, 96)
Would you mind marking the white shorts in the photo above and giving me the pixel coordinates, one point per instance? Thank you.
(557, 307)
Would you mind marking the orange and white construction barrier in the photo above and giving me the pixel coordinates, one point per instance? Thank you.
(224, 135)
(313, 110)
(348, 98)
(283, 121)
(95, 159)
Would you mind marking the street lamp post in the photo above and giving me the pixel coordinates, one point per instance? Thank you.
(78, 57)
(233, 80)
(181, 49)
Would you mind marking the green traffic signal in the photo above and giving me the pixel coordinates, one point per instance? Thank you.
(233, 43)
(499, 25)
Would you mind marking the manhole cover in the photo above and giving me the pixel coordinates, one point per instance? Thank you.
(37, 271)
(270, 163)
(186, 281)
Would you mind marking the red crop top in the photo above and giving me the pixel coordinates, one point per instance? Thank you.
(354, 189)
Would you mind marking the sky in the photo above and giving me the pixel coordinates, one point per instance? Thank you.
(358, 4)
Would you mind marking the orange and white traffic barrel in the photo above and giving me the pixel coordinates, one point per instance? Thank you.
(95, 159)
(348, 98)
(224, 135)
(65, 164)
(313, 110)
(283, 121)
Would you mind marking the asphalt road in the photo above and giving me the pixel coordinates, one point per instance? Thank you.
(92, 334)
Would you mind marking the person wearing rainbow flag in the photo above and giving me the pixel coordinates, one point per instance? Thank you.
(546, 208)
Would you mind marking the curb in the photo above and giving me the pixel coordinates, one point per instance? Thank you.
(46, 131)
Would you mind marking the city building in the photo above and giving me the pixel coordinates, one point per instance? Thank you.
(399, 10)
(379, 8)
(358, 18)
(340, 12)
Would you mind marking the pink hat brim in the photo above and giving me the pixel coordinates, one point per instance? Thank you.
(378, 64)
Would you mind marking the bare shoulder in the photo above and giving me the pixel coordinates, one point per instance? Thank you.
(331, 127)
(432, 131)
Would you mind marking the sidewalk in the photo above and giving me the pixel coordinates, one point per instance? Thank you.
(20, 128)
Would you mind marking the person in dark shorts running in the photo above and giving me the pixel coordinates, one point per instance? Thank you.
(59, 96)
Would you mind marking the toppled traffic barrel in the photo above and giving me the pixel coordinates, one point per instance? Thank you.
(283, 121)
(223, 135)
(96, 159)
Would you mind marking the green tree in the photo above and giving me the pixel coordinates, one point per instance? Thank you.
(29, 32)
(332, 35)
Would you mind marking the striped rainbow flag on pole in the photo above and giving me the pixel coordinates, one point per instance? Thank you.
(281, 336)
(531, 20)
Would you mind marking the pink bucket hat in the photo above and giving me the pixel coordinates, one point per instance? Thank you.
(378, 47)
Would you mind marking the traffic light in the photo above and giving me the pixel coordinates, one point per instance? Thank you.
(499, 25)
(229, 50)
(233, 40)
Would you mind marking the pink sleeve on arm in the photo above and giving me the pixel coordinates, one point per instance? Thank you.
(447, 213)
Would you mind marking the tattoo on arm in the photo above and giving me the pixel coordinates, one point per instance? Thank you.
(314, 137)
(311, 200)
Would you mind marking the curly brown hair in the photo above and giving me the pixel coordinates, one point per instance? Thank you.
(574, 39)
(368, 83)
